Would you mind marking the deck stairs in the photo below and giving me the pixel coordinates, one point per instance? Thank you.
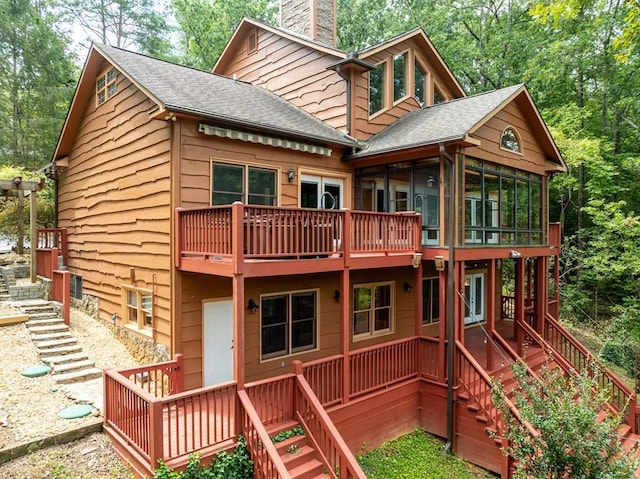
(56, 345)
(300, 457)
(4, 290)
(478, 400)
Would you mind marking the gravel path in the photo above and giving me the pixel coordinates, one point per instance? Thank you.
(29, 406)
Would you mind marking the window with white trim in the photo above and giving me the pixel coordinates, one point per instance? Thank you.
(288, 323)
(106, 86)
(138, 307)
(248, 184)
(372, 309)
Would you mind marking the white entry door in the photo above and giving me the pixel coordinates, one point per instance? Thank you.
(474, 298)
(217, 344)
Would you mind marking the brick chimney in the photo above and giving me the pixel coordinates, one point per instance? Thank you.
(315, 19)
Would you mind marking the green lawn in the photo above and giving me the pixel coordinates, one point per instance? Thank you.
(417, 455)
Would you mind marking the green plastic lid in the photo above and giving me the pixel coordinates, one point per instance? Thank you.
(35, 371)
(75, 412)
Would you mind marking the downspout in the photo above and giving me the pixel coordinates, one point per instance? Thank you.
(450, 298)
(347, 79)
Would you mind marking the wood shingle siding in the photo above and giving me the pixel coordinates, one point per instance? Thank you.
(117, 211)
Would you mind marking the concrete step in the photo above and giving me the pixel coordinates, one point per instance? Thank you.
(51, 336)
(45, 315)
(56, 351)
(54, 343)
(50, 328)
(65, 358)
(80, 375)
(72, 366)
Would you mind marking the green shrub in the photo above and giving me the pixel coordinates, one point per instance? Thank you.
(224, 465)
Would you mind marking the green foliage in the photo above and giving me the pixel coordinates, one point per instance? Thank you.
(416, 454)
(284, 435)
(572, 439)
(224, 465)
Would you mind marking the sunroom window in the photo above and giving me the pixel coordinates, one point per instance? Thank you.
(376, 89)
(248, 184)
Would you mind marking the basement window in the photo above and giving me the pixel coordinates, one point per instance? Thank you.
(106, 86)
(138, 311)
(75, 286)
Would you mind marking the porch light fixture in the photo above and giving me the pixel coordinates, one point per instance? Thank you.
(291, 174)
(407, 287)
(513, 254)
(432, 181)
(336, 295)
(252, 306)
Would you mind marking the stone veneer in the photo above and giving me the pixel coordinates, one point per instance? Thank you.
(142, 348)
(297, 16)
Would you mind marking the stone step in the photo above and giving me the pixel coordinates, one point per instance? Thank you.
(51, 336)
(78, 375)
(44, 322)
(46, 315)
(72, 366)
(50, 328)
(54, 343)
(65, 358)
(59, 351)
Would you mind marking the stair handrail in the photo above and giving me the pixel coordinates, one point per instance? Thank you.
(348, 465)
(628, 396)
(509, 350)
(263, 452)
(485, 377)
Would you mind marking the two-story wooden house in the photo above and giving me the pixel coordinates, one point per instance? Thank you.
(341, 240)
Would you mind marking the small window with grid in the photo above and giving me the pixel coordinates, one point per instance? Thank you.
(106, 86)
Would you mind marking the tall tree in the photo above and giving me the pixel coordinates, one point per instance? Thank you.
(37, 77)
(205, 26)
(134, 24)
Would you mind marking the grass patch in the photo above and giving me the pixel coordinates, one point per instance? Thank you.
(417, 455)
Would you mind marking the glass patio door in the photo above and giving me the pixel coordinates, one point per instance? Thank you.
(474, 305)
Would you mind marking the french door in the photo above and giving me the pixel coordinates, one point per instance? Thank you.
(474, 298)
(321, 192)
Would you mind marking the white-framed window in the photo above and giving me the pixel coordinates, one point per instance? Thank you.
(106, 86)
(430, 300)
(249, 184)
(372, 309)
(138, 307)
(288, 323)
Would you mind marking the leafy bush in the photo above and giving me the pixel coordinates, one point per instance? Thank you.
(224, 465)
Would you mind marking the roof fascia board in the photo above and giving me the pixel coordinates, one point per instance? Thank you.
(463, 140)
(402, 38)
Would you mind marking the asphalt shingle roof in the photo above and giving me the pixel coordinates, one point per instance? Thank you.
(438, 123)
(187, 90)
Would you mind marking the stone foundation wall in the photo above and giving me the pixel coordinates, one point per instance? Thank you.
(26, 291)
(142, 348)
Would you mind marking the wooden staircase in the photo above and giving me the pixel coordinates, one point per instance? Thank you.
(300, 458)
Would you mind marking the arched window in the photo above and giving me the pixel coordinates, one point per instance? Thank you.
(510, 140)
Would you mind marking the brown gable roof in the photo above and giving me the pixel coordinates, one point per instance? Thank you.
(454, 121)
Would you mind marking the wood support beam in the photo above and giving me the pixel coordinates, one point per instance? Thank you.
(345, 332)
(238, 330)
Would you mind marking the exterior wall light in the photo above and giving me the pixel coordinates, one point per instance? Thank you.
(252, 306)
(513, 254)
(336, 295)
(407, 287)
(291, 174)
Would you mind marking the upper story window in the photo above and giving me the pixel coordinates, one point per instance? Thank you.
(372, 309)
(106, 86)
(502, 205)
(138, 307)
(420, 82)
(510, 140)
(248, 184)
(430, 300)
(376, 89)
(288, 323)
(252, 42)
(438, 97)
(399, 76)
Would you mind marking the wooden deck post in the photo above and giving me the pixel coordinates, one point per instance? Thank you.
(417, 287)
(156, 435)
(237, 236)
(519, 304)
(345, 331)
(491, 310)
(178, 379)
(346, 239)
(238, 330)
(442, 326)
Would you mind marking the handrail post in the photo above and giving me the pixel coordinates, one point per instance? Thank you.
(179, 373)
(346, 236)
(177, 234)
(237, 236)
(156, 436)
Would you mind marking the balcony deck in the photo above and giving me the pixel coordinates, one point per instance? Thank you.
(257, 240)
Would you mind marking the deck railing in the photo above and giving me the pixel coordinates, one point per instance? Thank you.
(49, 238)
(429, 357)
(555, 234)
(325, 376)
(147, 410)
(266, 232)
(338, 460)
(273, 399)
(563, 342)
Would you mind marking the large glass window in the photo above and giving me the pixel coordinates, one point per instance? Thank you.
(248, 184)
(376, 89)
(430, 300)
(288, 323)
(372, 309)
(502, 205)
(420, 80)
(399, 76)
